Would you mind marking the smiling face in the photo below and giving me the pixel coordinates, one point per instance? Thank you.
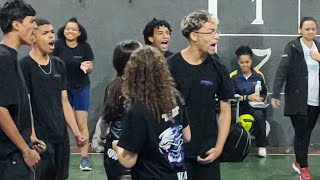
(245, 63)
(206, 38)
(71, 31)
(309, 30)
(160, 39)
(44, 38)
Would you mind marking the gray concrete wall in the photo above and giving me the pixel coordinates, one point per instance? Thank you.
(110, 21)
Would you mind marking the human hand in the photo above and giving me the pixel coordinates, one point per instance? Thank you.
(115, 144)
(275, 103)
(315, 55)
(38, 145)
(212, 154)
(255, 97)
(31, 157)
(81, 140)
(86, 66)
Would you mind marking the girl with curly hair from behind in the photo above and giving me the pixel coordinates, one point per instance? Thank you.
(155, 125)
(114, 110)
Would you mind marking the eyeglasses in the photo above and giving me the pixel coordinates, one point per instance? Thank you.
(209, 33)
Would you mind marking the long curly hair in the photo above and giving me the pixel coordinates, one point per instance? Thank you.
(147, 79)
(113, 100)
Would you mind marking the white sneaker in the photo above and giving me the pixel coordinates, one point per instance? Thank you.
(262, 152)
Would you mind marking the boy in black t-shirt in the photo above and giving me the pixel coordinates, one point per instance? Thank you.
(157, 33)
(200, 78)
(154, 126)
(45, 77)
(16, 157)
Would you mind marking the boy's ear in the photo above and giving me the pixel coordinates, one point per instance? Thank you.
(15, 25)
(150, 39)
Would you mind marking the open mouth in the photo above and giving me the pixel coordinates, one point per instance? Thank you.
(213, 45)
(164, 44)
(51, 45)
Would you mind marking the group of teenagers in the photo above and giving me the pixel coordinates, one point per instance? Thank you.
(160, 117)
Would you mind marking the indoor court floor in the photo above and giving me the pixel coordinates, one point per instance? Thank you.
(273, 167)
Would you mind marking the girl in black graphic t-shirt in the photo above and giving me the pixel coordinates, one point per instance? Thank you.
(154, 126)
(113, 110)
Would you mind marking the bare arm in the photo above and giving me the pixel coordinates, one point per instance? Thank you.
(126, 158)
(33, 132)
(31, 157)
(11, 130)
(223, 131)
(224, 124)
(68, 114)
(186, 133)
(37, 144)
(71, 120)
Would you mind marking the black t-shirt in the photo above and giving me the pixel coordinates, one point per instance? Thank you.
(45, 85)
(199, 86)
(167, 54)
(13, 96)
(73, 57)
(158, 143)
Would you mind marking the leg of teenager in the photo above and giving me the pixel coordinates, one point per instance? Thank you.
(209, 171)
(82, 118)
(81, 101)
(46, 168)
(191, 169)
(62, 159)
(301, 139)
(197, 171)
(260, 127)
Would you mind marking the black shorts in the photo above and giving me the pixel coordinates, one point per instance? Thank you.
(204, 172)
(54, 164)
(14, 167)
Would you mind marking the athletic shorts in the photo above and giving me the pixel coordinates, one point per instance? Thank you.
(79, 98)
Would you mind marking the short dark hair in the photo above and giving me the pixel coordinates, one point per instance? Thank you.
(244, 50)
(122, 53)
(307, 18)
(14, 10)
(149, 29)
(41, 21)
(81, 38)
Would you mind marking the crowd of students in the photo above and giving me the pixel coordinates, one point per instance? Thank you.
(160, 109)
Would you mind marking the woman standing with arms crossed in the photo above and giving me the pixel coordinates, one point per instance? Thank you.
(73, 49)
(299, 68)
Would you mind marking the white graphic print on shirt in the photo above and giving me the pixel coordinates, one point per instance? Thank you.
(171, 141)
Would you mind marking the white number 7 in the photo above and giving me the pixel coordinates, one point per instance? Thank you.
(260, 53)
(258, 19)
